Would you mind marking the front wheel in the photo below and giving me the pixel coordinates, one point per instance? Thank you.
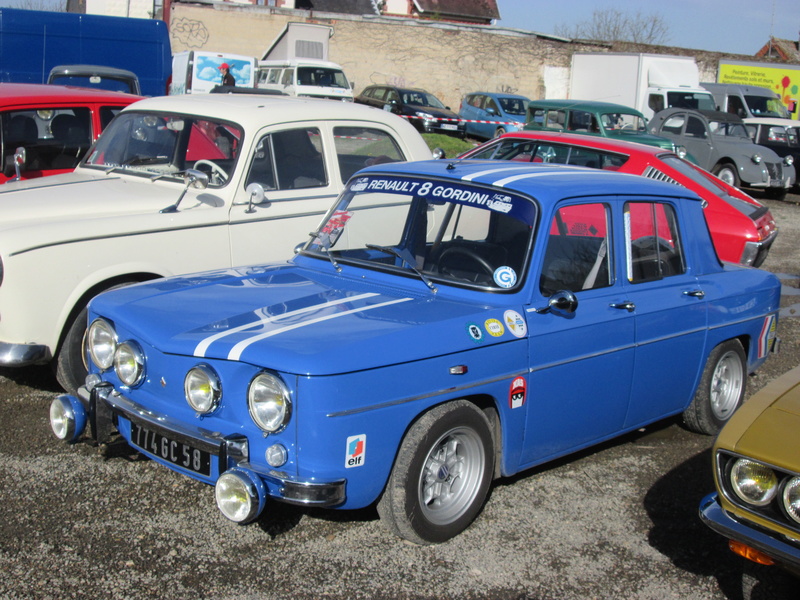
(721, 389)
(728, 173)
(441, 476)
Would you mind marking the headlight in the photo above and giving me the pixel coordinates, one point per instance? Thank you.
(129, 363)
(681, 151)
(753, 482)
(203, 389)
(756, 158)
(269, 403)
(102, 342)
(424, 115)
(791, 498)
(788, 160)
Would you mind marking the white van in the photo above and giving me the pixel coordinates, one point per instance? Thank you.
(305, 77)
(198, 72)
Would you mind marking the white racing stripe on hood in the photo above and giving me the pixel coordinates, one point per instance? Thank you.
(239, 348)
(503, 169)
(577, 169)
(202, 347)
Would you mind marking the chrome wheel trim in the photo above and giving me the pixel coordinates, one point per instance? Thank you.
(726, 385)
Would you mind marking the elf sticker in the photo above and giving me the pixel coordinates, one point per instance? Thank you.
(494, 327)
(515, 323)
(516, 395)
(356, 451)
(767, 335)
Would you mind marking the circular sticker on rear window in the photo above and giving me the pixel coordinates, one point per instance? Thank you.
(505, 277)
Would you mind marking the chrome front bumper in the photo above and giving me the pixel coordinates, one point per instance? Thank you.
(22, 355)
(104, 404)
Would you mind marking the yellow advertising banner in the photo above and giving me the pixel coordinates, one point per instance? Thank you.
(783, 80)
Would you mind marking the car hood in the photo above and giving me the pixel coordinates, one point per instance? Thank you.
(299, 320)
(772, 435)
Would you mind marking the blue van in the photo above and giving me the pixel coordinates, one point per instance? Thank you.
(32, 42)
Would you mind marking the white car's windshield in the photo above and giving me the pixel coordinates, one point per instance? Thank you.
(165, 145)
(442, 232)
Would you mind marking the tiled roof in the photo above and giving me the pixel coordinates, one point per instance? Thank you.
(472, 9)
(786, 50)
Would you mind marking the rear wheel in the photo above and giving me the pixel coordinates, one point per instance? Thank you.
(441, 476)
(721, 389)
(728, 173)
(499, 131)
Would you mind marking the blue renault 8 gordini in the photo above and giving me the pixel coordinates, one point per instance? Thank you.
(448, 323)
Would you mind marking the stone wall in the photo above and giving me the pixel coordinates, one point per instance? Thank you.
(447, 60)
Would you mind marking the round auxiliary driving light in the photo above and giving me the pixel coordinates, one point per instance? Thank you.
(240, 495)
(753, 482)
(202, 389)
(67, 418)
(129, 363)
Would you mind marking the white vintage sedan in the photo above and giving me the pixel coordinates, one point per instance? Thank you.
(175, 185)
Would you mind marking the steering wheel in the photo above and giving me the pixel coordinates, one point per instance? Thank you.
(215, 168)
(475, 257)
(666, 252)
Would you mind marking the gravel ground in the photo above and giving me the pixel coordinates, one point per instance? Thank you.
(619, 521)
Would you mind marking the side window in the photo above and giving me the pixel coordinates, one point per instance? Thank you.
(262, 167)
(695, 128)
(674, 124)
(491, 104)
(736, 107)
(556, 119)
(359, 147)
(577, 255)
(288, 77)
(273, 75)
(654, 249)
(656, 102)
(298, 159)
(580, 120)
(55, 138)
(213, 148)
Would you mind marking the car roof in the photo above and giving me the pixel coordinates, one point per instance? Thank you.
(588, 141)
(254, 110)
(588, 105)
(548, 183)
(710, 115)
(14, 94)
(498, 95)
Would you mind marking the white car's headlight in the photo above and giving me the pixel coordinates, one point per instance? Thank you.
(102, 342)
(269, 402)
(203, 389)
(129, 363)
(753, 482)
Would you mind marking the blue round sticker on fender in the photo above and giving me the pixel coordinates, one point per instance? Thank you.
(505, 277)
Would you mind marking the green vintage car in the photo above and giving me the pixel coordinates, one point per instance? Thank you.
(593, 118)
(756, 460)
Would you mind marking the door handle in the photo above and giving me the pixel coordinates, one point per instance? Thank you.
(629, 306)
(695, 293)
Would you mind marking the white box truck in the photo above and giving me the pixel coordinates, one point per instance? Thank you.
(198, 72)
(647, 82)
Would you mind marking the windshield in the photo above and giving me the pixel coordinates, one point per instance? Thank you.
(322, 77)
(419, 98)
(439, 231)
(623, 121)
(693, 100)
(764, 106)
(165, 145)
(514, 106)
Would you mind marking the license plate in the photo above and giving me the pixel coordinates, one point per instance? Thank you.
(178, 453)
(449, 126)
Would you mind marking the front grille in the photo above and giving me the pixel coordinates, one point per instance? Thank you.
(775, 170)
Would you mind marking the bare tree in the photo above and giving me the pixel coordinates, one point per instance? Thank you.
(612, 25)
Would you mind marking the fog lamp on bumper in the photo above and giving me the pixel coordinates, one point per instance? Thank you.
(67, 418)
(240, 495)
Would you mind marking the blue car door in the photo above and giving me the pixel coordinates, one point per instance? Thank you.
(670, 311)
(581, 362)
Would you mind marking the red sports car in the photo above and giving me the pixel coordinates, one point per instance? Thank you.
(55, 124)
(742, 229)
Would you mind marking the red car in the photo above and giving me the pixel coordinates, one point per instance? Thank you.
(742, 229)
(55, 124)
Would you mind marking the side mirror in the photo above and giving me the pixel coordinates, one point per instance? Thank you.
(491, 111)
(563, 303)
(255, 191)
(192, 178)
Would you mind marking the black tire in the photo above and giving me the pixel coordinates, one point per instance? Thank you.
(70, 362)
(728, 173)
(721, 389)
(441, 476)
(498, 132)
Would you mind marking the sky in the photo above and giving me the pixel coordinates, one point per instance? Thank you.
(732, 26)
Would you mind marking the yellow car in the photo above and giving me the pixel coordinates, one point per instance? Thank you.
(757, 474)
